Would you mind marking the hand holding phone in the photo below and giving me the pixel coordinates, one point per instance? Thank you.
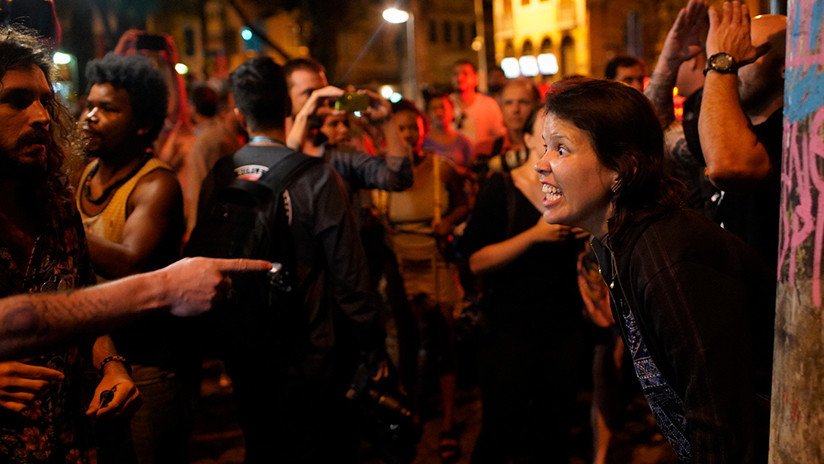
(351, 102)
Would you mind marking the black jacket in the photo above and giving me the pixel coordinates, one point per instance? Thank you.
(704, 304)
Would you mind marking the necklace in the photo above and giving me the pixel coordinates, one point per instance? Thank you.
(87, 189)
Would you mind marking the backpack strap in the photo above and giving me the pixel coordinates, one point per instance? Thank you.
(276, 178)
(281, 173)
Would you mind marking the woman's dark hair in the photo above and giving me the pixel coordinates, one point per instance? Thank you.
(142, 81)
(627, 138)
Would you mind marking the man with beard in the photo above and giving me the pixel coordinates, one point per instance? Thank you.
(42, 249)
(132, 209)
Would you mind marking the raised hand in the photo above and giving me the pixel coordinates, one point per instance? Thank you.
(379, 108)
(545, 232)
(730, 33)
(686, 36)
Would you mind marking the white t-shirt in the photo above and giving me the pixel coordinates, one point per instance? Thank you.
(481, 122)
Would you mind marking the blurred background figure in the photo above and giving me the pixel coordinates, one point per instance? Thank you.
(628, 70)
(216, 136)
(531, 350)
(177, 135)
(477, 116)
(419, 220)
(442, 138)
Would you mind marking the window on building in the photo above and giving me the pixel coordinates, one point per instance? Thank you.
(460, 35)
(566, 13)
(546, 45)
(509, 48)
(547, 61)
(433, 31)
(527, 48)
(188, 41)
(568, 66)
(635, 34)
(447, 32)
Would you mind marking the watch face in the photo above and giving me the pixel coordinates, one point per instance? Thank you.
(722, 62)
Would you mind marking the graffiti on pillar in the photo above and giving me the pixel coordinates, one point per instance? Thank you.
(802, 228)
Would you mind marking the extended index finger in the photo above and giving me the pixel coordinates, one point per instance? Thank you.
(242, 265)
(29, 371)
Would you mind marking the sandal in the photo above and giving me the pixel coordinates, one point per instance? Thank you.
(449, 448)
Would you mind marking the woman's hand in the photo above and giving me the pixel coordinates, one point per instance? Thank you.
(545, 232)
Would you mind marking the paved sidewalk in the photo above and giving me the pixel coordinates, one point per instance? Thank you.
(217, 438)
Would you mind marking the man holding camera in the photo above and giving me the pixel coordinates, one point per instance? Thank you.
(310, 95)
(312, 98)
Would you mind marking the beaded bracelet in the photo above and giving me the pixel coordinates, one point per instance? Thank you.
(118, 358)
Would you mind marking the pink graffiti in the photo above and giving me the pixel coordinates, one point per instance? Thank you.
(801, 178)
(802, 182)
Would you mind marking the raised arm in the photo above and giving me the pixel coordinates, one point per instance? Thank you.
(296, 139)
(683, 42)
(735, 158)
(498, 255)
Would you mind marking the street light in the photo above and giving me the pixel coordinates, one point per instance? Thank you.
(397, 16)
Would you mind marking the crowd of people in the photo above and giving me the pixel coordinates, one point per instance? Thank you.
(584, 231)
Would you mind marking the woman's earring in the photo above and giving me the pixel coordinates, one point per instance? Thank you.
(616, 186)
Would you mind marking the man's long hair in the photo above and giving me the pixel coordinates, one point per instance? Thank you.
(21, 49)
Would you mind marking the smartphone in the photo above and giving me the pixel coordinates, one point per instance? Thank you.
(352, 102)
(151, 42)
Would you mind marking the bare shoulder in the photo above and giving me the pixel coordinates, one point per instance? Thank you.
(158, 183)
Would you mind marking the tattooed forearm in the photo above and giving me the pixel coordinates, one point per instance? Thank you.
(189, 287)
(35, 322)
(24, 321)
(659, 92)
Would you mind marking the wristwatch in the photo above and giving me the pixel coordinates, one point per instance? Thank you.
(722, 63)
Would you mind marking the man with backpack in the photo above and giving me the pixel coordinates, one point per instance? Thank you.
(309, 327)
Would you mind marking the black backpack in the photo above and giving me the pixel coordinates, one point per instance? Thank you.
(246, 219)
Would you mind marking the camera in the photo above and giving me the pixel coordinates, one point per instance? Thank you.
(386, 422)
(352, 102)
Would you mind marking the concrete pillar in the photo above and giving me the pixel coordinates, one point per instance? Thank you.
(797, 423)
